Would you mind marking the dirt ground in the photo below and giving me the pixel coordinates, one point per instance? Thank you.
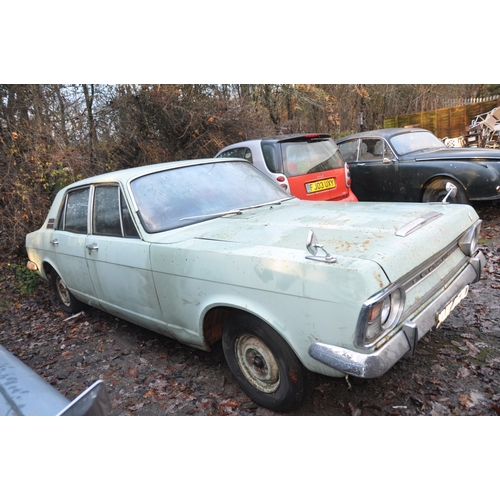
(456, 370)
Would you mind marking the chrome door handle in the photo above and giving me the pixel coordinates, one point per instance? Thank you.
(54, 242)
(92, 248)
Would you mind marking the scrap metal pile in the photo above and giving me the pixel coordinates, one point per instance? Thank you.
(483, 132)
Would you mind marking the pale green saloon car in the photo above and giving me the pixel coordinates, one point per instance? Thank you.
(210, 250)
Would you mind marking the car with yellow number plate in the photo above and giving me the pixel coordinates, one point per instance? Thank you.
(309, 166)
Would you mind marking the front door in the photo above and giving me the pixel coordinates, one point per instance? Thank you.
(119, 262)
(373, 169)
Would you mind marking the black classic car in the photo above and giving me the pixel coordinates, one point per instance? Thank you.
(412, 164)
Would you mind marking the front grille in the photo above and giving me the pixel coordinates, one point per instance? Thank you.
(432, 276)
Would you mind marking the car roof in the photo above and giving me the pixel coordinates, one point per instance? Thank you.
(385, 133)
(131, 173)
(277, 138)
(288, 137)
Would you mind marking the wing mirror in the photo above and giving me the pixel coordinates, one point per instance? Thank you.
(451, 190)
(313, 246)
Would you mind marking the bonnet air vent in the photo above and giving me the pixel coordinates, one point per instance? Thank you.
(417, 224)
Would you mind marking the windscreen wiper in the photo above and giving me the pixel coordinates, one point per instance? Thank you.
(208, 216)
(277, 202)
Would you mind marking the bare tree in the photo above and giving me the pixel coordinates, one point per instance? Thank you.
(51, 135)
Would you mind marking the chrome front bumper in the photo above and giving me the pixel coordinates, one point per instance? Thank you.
(405, 341)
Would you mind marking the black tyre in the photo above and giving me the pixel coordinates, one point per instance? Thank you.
(68, 302)
(436, 191)
(264, 365)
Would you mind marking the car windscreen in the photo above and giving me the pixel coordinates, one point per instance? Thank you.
(415, 141)
(308, 157)
(181, 196)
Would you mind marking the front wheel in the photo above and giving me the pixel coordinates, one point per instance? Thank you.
(264, 365)
(68, 302)
(436, 192)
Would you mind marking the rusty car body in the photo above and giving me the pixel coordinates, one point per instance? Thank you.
(210, 250)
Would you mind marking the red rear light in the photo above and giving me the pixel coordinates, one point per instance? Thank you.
(348, 180)
(281, 179)
(311, 136)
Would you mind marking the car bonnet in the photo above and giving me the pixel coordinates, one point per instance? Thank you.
(469, 154)
(346, 230)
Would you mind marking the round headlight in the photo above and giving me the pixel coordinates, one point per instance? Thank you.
(392, 308)
(385, 311)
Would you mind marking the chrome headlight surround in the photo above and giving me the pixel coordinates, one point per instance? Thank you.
(469, 242)
(379, 315)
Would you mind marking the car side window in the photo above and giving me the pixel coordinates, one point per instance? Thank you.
(388, 151)
(349, 150)
(366, 149)
(111, 213)
(107, 211)
(129, 230)
(378, 149)
(244, 153)
(76, 210)
(268, 152)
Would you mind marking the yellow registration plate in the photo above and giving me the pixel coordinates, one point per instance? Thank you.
(314, 187)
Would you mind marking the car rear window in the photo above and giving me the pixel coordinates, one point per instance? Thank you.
(300, 158)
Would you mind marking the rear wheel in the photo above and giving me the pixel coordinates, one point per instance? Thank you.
(435, 191)
(264, 365)
(68, 302)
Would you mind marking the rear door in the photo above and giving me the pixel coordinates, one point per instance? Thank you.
(68, 242)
